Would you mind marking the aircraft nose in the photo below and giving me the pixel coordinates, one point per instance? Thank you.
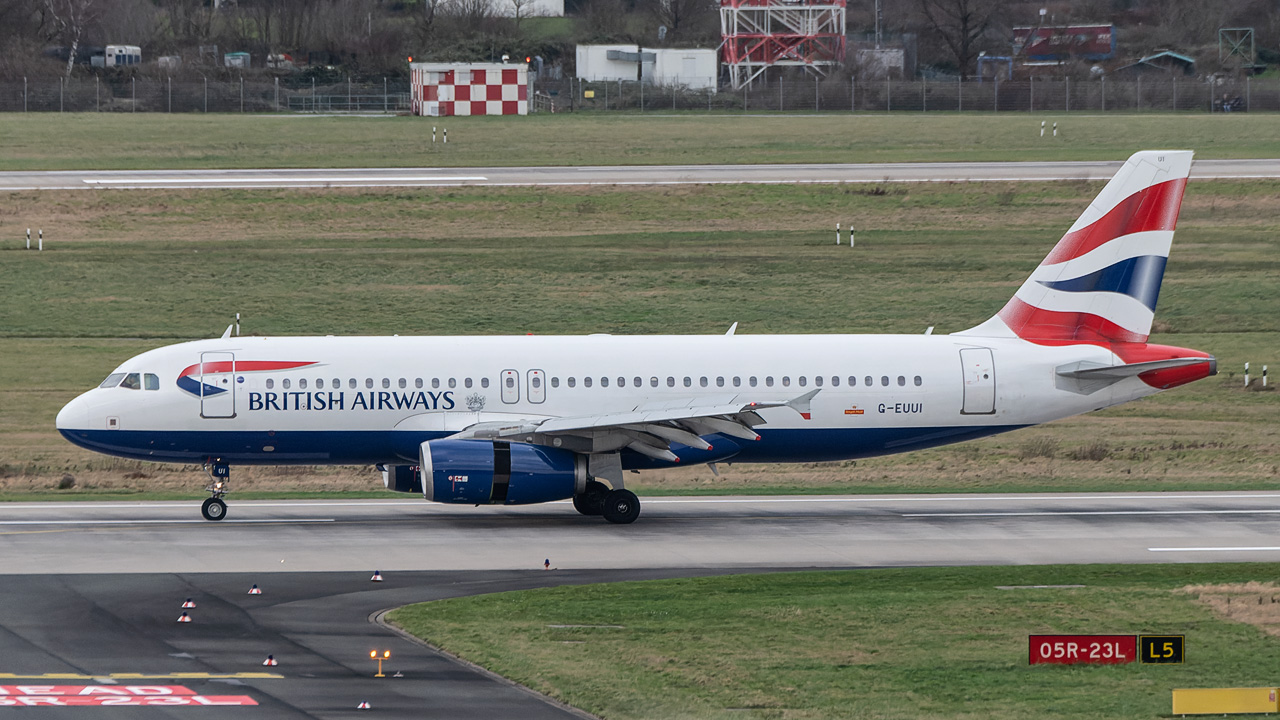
(73, 416)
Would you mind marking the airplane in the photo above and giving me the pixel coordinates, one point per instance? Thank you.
(531, 419)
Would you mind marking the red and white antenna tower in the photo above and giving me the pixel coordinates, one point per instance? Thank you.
(759, 34)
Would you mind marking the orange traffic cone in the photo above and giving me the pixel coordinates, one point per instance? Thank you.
(254, 590)
(270, 661)
(364, 706)
(184, 618)
(189, 603)
(377, 576)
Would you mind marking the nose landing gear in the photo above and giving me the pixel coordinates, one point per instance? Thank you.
(215, 508)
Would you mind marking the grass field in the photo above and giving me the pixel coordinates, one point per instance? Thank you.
(153, 140)
(885, 643)
(126, 271)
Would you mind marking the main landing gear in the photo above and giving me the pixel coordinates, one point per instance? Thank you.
(617, 506)
(219, 478)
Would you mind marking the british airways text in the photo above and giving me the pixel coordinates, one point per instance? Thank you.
(372, 400)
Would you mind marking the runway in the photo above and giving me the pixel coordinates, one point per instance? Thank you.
(672, 533)
(614, 175)
(93, 590)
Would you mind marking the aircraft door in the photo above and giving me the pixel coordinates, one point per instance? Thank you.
(510, 386)
(537, 386)
(217, 385)
(979, 381)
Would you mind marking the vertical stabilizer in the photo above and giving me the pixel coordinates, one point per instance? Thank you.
(1101, 281)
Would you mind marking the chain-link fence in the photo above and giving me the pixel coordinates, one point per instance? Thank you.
(205, 95)
(1102, 95)
(572, 95)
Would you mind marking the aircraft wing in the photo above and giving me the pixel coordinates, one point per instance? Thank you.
(647, 429)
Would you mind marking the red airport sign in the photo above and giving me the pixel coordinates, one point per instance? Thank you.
(1082, 649)
(113, 696)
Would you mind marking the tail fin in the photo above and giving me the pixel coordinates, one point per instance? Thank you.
(1101, 282)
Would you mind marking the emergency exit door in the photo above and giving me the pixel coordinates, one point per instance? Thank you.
(979, 381)
(217, 384)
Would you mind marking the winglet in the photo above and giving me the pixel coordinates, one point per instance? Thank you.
(226, 335)
(801, 404)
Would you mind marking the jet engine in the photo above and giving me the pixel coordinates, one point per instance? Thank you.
(488, 472)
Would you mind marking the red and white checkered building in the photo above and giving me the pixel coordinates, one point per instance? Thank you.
(444, 89)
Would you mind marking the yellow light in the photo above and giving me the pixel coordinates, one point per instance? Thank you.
(386, 654)
(373, 653)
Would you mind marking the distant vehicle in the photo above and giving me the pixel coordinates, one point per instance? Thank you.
(121, 55)
(513, 420)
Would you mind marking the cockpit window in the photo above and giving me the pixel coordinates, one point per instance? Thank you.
(112, 380)
(151, 381)
(132, 381)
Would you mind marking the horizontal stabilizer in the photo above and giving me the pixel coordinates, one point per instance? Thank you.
(1089, 377)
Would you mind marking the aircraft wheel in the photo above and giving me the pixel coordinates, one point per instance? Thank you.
(621, 507)
(591, 501)
(213, 509)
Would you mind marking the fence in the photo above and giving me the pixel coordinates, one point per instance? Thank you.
(571, 95)
(1102, 95)
(215, 96)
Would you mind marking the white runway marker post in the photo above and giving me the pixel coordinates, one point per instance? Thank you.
(445, 141)
(1246, 374)
(41, 241)
(28, 238)
(1041, 128)
(1264, 376)
(850, 236)
(837, 233)
(1055, 129)
(433, 134)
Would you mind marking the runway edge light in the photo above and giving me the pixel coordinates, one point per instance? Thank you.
(254, 590)
(377, 576)
(270, 661)
(364, 705)
(184, 617)
(189, 603)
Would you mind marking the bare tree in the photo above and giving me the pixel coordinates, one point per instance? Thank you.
(686, 19)
(961, 24)
(68, 20)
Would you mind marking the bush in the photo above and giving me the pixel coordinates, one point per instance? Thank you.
(1095, 451)
(1045, 447)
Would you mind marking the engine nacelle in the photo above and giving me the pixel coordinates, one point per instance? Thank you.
(402, 478)
(482, 472)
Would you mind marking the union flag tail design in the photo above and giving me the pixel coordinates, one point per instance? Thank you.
(1101, 282)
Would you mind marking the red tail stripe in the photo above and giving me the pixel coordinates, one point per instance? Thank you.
(1050, 327)
(1154, 208)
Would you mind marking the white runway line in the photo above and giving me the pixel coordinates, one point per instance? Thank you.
(276, 179)
(1069, 513)
(163, 522)
(1215, 549)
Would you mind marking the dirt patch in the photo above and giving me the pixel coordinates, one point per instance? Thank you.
(1255, 603)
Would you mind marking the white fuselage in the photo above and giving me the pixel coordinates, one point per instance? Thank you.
(375, 399)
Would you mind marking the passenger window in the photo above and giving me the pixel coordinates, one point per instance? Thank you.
(902, 381)
(484, 382)
(285, 383)
(351, 383)
(535, 381)
(150, 381)
(403, 383)
(702, 381)
(671, 382)
(386, 383)
(319, 383)
(453, 383)
(302, 384)
(737, 381)
(653, 382)
(336, 384)
(786, 381)
(918, 381)
(688, 382)
(112, 380)
(817, 380)
(868, 381)
(571, 382)
(802, 381)
(884, 380)
(853, 381)
(719, 382)
(466, 383)
(511, 382)
(132, 381)
(637, 381)
(435, 383)
(622, 382)
(417, 382)
(751, 381)
(270, 383)
(555, 382)
(586, 381)
(835, 381)
(768, 381)
(604, 382)
(368, 382)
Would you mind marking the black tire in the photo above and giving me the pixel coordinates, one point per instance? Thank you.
(591, 501)
(213, 509)
(621, 507)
